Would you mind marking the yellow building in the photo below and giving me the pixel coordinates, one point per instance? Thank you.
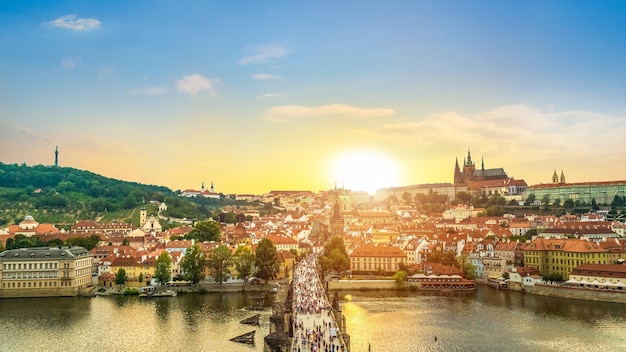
(369, 258)
(385, 236)
(45, 272)
(551, 255)
(135, 266)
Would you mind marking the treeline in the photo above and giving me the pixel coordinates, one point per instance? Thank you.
(21, 241)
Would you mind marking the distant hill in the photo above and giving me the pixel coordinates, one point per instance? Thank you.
(62, 195)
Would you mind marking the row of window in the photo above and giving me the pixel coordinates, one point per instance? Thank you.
(30, 275)
(40, 284)
(27, 266)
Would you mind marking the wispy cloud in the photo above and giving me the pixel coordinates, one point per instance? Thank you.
(74, 22)
(528, 133)
(265, 53)
(271, 95)
(105, 71)
(70, 63)
(291, 112)
(195, 84)
(153, 90)
(264, 76)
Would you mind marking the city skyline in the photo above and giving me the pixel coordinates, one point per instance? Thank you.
(285, 95)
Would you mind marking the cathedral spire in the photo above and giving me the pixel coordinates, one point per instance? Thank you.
(469, 157)
(562, 177)
(202, 188)
(482, 162)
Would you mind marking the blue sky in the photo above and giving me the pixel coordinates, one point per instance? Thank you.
(262, 95)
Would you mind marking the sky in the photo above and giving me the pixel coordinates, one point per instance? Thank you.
(257, 96)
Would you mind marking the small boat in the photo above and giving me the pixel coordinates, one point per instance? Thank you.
(245, 338)
(168, 293)
(253, 320)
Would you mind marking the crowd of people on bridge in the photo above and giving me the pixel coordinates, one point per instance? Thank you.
(314, 328)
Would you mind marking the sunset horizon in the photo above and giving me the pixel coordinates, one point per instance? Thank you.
(361, 95)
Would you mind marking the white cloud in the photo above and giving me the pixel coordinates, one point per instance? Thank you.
(69, 63)
(105, 71)
(291, 112)
(194, 84)
(265, 53)
(153, 90)
(519, 132)
(271, 95)
(264, 76)
(75, 23)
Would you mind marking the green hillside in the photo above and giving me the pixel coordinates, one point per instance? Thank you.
(63, 195)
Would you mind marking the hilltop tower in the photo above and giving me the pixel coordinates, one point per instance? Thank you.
(202, 188)
(562, 177)
(555, 177)
(56, 157)
(212, 189)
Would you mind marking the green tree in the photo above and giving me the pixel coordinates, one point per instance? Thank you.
(163, 270)
(531, 199)
(120, 277)
(464, 197)
(266, 260)
(400, 277)
(568, 203)
(335, 256)
(557, 202)
(594, 205)
(218, 262)
(140, 279)
(205, 231)
(445, 258)
(244, 262)
(469, 269)
(193, 264)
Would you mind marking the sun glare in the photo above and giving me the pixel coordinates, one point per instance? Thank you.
(364, 171)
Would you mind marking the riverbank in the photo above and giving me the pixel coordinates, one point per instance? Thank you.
(579, 293)
(205, 286)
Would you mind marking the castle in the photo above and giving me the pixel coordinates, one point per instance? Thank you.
(470, 174)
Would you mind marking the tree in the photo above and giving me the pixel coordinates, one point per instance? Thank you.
(163, 270)
(594, 205)
(205, 231)
(445, 258)
(335, 256)
(531, 199)
(469, 269)
(218, 263)
(557, 202)
(120, 277)
(140, 279)
(464, 197)
(545, 200)
(568, 203)
(266, 260)
(193, 264)
(400, 276)
(244, 262)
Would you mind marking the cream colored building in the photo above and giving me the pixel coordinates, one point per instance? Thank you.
(45, 272)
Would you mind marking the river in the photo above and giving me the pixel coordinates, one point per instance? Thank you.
(486, 320)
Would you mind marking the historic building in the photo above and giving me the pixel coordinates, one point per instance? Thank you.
(45, 272)
(369, 258)
(471, 174)
(583, 192)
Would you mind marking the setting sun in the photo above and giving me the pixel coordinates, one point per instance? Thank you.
(364, 171)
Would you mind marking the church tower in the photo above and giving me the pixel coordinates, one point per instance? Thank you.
(336, 221)
(212, 188)
(56, 157)
(562, 177)
(458, 178)
(468, 168)
(202, 188)
(143, 216)
(555, 177)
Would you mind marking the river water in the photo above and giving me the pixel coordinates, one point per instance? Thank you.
(486, 320)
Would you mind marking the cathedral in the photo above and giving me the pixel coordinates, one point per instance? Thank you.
(471, 174)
